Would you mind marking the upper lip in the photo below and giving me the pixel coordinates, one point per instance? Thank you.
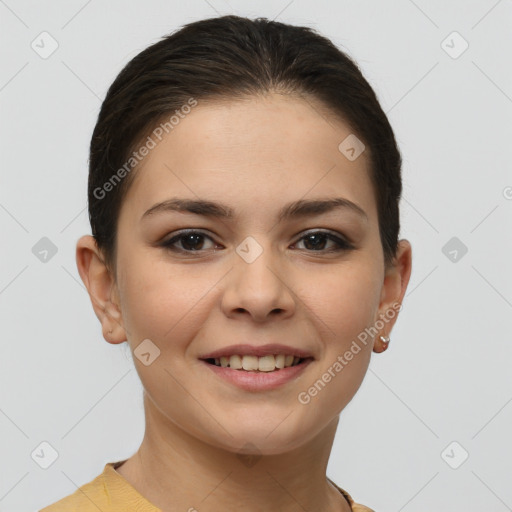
(254, 350)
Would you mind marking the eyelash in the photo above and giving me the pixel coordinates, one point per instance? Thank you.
(343, 245)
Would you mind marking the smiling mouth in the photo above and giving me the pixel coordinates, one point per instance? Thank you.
(256, 364)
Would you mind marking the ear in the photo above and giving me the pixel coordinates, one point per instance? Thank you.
(101, 287)
(396, 279)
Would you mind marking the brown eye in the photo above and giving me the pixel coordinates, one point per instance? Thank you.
(191, 241)
(316, 241)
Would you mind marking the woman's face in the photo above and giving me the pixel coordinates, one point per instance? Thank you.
(252, 278)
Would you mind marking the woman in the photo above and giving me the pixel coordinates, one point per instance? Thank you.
(244, 188)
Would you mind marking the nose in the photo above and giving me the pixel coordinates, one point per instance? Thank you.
(258, 289)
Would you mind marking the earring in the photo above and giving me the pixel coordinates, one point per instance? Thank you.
(385, 340)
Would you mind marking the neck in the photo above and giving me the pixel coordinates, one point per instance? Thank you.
(176, 471)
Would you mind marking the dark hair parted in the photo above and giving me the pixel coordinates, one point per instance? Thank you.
(233, 57)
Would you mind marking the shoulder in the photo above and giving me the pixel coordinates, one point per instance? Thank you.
(90, 497)
(356, 507)
(108, 492)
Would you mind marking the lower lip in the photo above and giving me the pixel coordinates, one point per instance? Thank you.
(259, 381)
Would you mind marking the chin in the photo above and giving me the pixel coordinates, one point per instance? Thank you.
(254, 439)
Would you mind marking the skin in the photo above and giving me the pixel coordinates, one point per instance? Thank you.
(254, 155)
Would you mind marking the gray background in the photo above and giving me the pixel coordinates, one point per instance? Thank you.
(446, 376)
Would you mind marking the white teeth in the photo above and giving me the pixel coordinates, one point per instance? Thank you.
(235, 362)
(280, 360)
(254, 363)
(266, 364)
(249, 362)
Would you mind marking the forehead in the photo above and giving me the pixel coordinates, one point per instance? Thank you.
(265, 150)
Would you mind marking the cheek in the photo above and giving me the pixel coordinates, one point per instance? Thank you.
(344, 298)
(344, 310)
(162, 302)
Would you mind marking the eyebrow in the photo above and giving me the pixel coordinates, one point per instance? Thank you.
(296, 209)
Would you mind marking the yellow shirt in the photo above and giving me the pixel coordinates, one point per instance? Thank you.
(111, 492)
